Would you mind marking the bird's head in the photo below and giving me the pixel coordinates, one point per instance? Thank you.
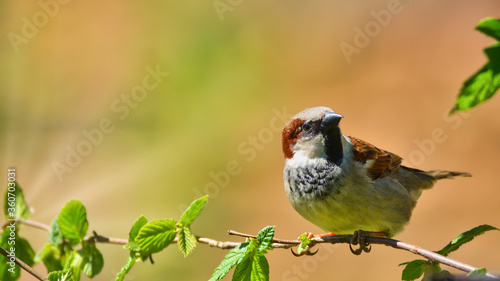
(313, 133)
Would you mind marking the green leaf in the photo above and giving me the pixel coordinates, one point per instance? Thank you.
(72, 220)
(24, 251)
(304, 242)
(493, 54)
(490, 27)
(253, 267)
(413, 270)
(265, 238)
(185, 240)
(478, 272)
(243, 271)
(20, 248)
(134, 231)
(260, 268)
(193, 211)
(130, 262)
(477, 89)
(55, 236)
(14, 204)
(464, 238)
(156, 235)
(93, 261)
(232, 258)
(49, 255)
(431, 270)
(63, 275)
(75, 264)
(9, 271)
(483, 84)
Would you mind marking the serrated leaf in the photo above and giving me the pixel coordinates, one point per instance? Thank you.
(260, 268)
(55, 236)
(156, 235)
(464, 238)
(193, 211)
(243, 270)
(478, 272)
(413, 270)
(93, 262)
(49, 255)
(481, 86)
(72, 220)
(186, 241)
(265, 238)
(140, 222)
(304, 242)
(63, 275)
(490, 27)
(230, 260)
(14, 204)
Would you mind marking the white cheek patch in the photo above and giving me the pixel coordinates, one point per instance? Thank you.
(311, 148)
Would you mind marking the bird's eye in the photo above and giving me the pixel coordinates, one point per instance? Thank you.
(306, 127)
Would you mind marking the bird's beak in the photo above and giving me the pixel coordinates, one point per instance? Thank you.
(330, 121)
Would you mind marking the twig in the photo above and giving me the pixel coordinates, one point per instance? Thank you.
(377, 240)
(34, 224)
(281, 243)
(103, 239)
(23, 265)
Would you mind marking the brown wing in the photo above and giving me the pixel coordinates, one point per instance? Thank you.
(379, 163)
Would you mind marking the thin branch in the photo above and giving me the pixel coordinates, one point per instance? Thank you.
(23, 265)
(376, 240)
(281, 243)
(34, 224)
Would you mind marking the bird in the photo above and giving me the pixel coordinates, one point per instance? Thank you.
(347, 186)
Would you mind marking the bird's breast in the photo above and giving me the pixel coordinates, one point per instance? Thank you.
(316, 181)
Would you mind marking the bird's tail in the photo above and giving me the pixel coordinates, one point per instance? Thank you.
(446, 174)
(426, 179)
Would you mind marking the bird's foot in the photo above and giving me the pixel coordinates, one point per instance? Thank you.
(359, 238)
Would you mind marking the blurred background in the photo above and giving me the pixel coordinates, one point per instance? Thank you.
(139, 108)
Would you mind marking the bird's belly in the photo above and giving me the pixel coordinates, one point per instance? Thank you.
(350, 206)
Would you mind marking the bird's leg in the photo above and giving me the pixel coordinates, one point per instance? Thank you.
(327, 234)
(359, 238)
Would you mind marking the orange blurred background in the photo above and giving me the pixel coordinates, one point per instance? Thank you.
(235, 68)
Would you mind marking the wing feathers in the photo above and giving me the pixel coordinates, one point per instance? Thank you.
(379, 163)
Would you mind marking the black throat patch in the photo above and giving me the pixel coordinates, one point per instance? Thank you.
(333, 145)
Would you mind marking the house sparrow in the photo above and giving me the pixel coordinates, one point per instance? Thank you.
(343, 184)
